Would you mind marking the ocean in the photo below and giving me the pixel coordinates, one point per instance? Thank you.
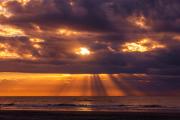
(114, 104)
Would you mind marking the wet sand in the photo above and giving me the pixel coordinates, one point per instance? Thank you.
(83, 115)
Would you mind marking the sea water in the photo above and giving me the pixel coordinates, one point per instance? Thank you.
(121, 104)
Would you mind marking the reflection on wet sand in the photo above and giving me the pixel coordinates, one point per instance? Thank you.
(33, 84)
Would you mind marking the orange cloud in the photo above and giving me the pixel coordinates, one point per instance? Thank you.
(8, 52)
(67, 32)
(143, 45)
(7, 30)
(139, 21)
(4, 10)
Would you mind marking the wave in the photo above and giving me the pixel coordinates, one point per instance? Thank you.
(81, 105)
(89, 107)
(59, 105)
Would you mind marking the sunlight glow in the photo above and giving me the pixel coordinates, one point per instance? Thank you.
(71, 2)
(7, 30)
(23, 2)
(4, 6)
(177, 37)
(143, 45)
(83, 51)
(36, 40)
(37, 44)
(67, 32)
(30, 84)
(4, 11)
(37, 28)
(139, 21)
(8, 52)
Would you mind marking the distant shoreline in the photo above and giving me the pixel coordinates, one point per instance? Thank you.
(84, 115)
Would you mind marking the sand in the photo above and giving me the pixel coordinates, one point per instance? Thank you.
(78, 115)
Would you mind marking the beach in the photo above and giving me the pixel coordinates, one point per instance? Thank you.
(84, 115)
(89, 108)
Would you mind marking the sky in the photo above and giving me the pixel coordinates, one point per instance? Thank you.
(134, 41)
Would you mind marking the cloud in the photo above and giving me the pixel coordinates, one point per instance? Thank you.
(43, 36)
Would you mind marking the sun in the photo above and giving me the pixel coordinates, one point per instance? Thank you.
(83, 51)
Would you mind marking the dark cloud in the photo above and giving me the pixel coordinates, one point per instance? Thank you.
(104, 26)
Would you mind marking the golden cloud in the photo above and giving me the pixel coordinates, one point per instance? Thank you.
(4, 7)
(7, 30)
(67, 32)
(139, 21)
(4, 11)
(36, 40)
(22, 2)
(8, 52)
(37, 28)
(143, 45)
(177, 37)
